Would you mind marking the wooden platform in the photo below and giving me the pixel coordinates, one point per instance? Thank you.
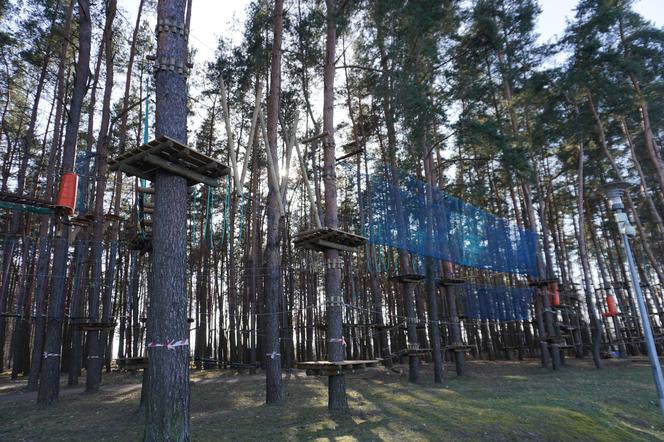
(92, 326)
(327, 368)
(408, 277)
(448, 282)
(418, 326)
(84, 219)
(458, 347)
(166, 154)
(208, 363)
(543, 282)
(419, 352)
(328, 238)
(25, 200)
(143, 244)
(132, 364)
(242, 365)
(551, 339)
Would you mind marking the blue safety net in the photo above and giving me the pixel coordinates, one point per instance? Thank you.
(495, 303)
(444, 227)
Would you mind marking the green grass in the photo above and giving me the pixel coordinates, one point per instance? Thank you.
(496, 401)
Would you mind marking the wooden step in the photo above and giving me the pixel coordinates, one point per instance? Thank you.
(327, 368)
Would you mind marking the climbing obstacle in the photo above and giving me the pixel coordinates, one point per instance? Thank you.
(450, 282)
(166, 154)
(327, 368)
(132, 364)
(93, 326)
(328, 238)
(25, 203)
(412, 278)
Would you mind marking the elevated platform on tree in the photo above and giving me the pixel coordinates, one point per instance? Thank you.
(543, 282)
(408, 277)
(449, 282)
(458, 347)
(328, 238)
(25, 203)
(132, 364)
(327, 368)
(166, 154)
(93, 326)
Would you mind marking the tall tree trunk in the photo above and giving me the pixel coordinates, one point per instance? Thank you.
(337, 402)
(430, 284)
(94, 356)
(595, 322)
(49, 387)
(273, 388)
(167, 401)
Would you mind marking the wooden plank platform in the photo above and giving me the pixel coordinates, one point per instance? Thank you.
(166, 154)
(93, 326)
(84, 219)
(208, 363)
(328, 238)
(448, 282)
(143, 244)
(242, 365)
(543, 282)
(327, 368)
(552, 338)
(110, 217)
(25, 200)
(458, 347)
(132, 364)
(419, 352)
(408, 277)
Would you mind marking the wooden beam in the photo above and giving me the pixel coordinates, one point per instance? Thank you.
(252, 132)
(272, 168)
(132, 171)
(310, 193)
(314, 138)
(348, 155)
(179, 170)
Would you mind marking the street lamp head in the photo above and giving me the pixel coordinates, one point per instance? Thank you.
(614, 192)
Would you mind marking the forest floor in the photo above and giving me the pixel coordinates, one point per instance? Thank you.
(495, 401)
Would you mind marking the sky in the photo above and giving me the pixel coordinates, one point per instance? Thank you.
(211, 19)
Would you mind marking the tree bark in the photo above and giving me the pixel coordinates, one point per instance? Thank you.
(94, 356)
(337, 402)
(49, 387)
(167, 402)
(273, 388)
(595, 323)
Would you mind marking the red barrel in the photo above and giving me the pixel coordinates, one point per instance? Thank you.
(612, 309)
(68, 191)
(555, 296)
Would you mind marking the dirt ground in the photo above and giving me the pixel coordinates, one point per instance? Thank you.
(495, 401)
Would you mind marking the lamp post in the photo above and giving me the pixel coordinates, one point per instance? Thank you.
(614, 192)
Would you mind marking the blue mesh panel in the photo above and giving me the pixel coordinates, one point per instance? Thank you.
(496, 303)
(447, 228)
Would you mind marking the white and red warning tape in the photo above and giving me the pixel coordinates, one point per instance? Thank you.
(171, 344)
(341, 339)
